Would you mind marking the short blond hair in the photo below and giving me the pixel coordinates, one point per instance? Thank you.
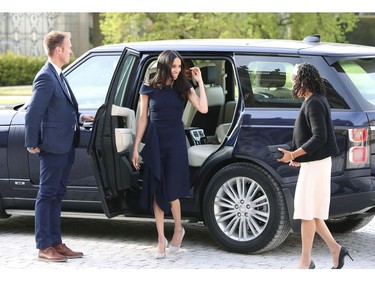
(54, 39)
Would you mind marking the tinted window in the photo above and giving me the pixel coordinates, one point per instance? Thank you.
(360, 74)
(334, 99)
(124, 80)
(265, 82)
(90, 80)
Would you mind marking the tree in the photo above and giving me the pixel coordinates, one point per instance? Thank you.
(96, 37)
(126, 27)
(331, 27)
(364, 33)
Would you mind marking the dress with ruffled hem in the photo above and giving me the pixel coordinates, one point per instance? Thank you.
(166, 168)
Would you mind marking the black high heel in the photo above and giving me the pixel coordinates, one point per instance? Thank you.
(312, 265)
(343, 253)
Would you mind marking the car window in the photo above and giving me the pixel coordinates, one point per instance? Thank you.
(124, 81)
(334, 99)
(90, 80)
(361, 73)
(265, 81)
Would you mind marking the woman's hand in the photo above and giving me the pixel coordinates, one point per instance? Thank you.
(288, 158)
(199, 102)
(196, 74)
(294, 164)
(135, 160)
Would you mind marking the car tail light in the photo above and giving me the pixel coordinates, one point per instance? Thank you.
(359, 148)
(358, 135)
(357, 154)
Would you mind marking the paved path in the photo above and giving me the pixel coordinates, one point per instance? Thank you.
(115, 246)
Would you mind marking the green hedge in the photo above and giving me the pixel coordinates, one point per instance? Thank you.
(18, 70)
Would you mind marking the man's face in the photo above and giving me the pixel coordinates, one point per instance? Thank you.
(65, 51)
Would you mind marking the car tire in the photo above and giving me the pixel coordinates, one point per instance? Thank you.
(3, 214)
(347, 224)
(245, 210)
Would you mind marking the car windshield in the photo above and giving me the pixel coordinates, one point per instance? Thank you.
(361, 73)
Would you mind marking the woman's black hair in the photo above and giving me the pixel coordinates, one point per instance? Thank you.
(164, 72)
(307, 78)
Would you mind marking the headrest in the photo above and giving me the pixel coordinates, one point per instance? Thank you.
(215, 96)
(272, 79)
(209, 74)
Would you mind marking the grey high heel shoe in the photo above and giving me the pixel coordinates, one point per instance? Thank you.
(172, 248)
(162, 255)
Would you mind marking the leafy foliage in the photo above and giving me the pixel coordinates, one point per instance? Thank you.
(126, 27)
(18, 69)
(331, 27)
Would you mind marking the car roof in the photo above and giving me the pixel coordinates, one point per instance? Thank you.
(245, 45)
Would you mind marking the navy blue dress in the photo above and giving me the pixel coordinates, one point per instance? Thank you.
(166, 169)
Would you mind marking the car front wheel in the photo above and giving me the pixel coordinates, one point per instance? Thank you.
(245, 210)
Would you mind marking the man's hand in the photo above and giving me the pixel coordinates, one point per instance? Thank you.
(33, 150)
(88, 118)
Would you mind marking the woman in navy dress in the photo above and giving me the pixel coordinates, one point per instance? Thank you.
(166, 168)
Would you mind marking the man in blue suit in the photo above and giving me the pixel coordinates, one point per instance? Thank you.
(52, 132)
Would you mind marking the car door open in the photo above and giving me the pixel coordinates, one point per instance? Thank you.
(111, 144)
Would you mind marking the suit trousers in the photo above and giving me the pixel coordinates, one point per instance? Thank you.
(54, 175)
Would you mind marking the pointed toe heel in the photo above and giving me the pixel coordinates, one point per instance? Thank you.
(312, 265)
(162, 255)
(172, 248)
(343, 253)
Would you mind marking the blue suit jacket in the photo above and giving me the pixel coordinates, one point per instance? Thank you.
(52, 117)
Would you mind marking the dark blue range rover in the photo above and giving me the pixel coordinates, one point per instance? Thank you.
(238, 190)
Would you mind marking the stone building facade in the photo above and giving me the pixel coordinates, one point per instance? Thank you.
(23, 33)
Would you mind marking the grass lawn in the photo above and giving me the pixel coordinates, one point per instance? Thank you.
(16, 91)
(10, 96)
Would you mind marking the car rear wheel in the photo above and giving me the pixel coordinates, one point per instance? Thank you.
(348, 224)
(245, 210)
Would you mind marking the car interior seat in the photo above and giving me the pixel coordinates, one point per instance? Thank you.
(215, 98)
(272, 78)
(197, 154)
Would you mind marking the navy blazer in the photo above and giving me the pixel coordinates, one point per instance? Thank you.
(52, 118)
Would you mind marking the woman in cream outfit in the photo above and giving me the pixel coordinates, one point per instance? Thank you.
(312, 147)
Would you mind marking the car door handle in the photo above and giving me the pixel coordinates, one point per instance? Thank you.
(87, 125)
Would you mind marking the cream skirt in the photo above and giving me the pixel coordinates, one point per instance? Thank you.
(313, 190)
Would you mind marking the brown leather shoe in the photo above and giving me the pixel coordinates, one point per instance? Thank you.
(62, 249)
(50, 254)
